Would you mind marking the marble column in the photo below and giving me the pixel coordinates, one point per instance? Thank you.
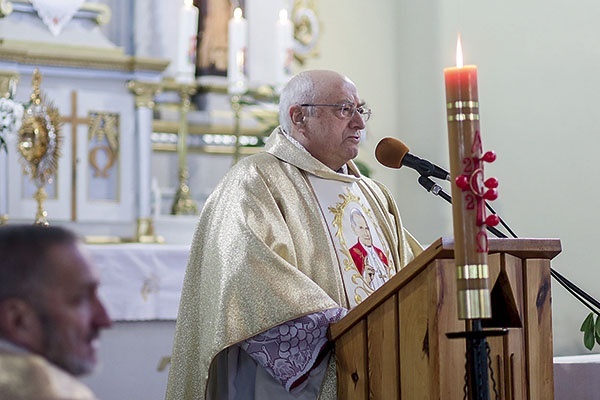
(144, 104)
(8, 81)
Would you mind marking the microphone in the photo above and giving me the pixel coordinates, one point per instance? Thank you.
(392, 153)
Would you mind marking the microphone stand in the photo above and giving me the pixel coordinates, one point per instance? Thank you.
(437, 190)
(591, 303)
(477, 385)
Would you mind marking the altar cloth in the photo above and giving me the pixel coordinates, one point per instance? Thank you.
(140, 282)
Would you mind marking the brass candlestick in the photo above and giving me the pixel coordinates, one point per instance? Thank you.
(39, 143)
(236, 106)
(184, 204)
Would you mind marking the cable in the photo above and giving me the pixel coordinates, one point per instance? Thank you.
(575, 291)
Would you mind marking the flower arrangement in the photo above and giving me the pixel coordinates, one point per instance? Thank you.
(11, 117)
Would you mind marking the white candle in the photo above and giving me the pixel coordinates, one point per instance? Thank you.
(284, 35)
(238, 42)
(185, 70)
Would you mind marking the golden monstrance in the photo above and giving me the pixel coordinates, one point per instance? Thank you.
(39, 144)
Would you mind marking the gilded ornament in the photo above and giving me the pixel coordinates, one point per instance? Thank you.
(104, 129)
(39, 143)
(306, 29)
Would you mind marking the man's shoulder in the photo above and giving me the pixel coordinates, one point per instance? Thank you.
(29, 377)
(259, 165)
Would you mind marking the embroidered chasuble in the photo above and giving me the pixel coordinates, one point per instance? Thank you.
(273, 245)
(26, 376)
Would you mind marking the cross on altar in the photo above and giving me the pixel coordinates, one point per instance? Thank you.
(74, 120)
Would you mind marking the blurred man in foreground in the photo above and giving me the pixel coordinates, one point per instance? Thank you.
(50, 314)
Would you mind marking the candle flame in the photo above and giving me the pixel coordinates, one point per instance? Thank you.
(459, 54)
(188, 3)
(237, 13)
(283, 14)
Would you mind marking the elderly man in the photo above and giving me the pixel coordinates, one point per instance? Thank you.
(270, 266)
(50, 314)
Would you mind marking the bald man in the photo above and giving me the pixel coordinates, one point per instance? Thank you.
(270, 266)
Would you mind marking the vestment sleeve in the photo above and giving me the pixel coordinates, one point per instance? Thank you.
(289, 351)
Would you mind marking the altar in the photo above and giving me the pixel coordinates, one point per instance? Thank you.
(140, 287)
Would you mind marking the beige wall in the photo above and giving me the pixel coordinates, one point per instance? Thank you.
(539, 93)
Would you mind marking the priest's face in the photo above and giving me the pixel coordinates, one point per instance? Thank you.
(331, 136)
(70, 313)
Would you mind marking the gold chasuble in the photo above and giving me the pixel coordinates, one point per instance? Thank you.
(275, 242)
(25, 376)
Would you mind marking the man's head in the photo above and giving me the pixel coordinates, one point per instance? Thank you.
(359, 225)
(49, 303)
(322, 111)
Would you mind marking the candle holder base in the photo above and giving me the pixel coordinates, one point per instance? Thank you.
(183, 204)
(145, 232)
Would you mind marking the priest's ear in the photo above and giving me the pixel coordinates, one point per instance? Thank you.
(297, 115)
(19, 323)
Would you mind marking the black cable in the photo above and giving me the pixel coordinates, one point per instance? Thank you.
(437, 190)
(501, 220)
(575, 291)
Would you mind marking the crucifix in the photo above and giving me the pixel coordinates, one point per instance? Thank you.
(74, 120)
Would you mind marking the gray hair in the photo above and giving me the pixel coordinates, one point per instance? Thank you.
(24, 262)
(299, 90)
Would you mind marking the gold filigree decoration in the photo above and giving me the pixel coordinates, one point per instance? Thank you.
(306, 30)
(39, 143)
(103, 128)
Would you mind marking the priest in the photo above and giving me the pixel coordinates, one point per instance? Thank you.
(270, 265)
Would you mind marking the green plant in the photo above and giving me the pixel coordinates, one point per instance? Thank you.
(591, 331)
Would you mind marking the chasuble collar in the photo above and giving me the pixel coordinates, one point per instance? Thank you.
(279, 145)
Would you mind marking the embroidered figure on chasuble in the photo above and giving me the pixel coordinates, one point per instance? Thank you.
(369, 259)
(345, 209)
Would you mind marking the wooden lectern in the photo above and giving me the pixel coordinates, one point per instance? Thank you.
(394, 345)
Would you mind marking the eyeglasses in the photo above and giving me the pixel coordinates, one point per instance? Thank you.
(346, 109)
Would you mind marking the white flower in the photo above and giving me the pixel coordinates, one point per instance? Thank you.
(11, 116)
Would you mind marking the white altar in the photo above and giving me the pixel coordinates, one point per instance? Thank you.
(124, 113)
(101, 185)
(140, 287)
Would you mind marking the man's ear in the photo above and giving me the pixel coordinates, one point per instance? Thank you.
(19, 322)
(297, 115)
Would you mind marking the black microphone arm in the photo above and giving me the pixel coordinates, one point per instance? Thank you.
(437, 190)
(424, 167)
(584, 298)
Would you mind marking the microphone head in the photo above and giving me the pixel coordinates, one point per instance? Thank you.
(390, 152)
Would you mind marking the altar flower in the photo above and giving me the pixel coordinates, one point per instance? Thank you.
(11, 117)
